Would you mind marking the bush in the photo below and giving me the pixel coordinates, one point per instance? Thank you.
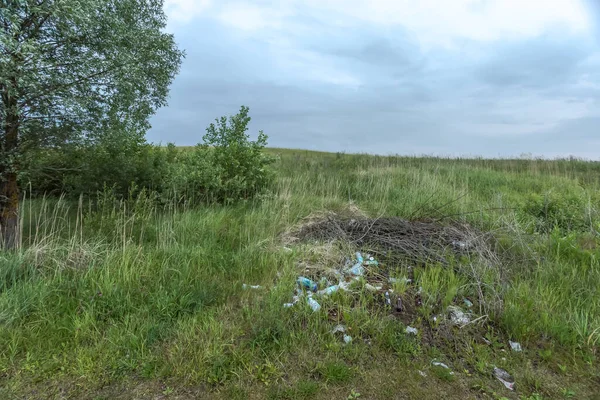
(117, 160)
(227, 166)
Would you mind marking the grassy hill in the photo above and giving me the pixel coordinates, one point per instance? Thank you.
(135, 300)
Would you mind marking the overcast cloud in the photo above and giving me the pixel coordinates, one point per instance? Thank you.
(461, 77)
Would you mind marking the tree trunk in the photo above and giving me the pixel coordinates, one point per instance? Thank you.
(9, 212)
(9, 189)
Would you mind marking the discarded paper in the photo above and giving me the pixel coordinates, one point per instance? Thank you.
(504, 377)
(411, 330)
(458, 316)
(515, 346)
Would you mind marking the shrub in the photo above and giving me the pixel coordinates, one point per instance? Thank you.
(227, 166)
(117, 160)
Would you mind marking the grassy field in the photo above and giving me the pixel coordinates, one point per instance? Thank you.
(131, 300)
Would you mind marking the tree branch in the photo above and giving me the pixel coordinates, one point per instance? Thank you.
(30, 20)
(52, 88)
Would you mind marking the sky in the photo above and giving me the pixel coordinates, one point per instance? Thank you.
(492, 78)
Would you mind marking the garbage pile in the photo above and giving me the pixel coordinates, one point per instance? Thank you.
(397, 242)
(351, 272)
(367, 273)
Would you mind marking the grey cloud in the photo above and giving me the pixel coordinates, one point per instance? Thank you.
(409, 102)
(539, 63)
(370, 120)
(390, 57)
(580, 132)
(580, 137)
(381, 51)
(300, 118)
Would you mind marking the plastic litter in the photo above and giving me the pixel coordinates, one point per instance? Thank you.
(329, 290)
(372, 288)
(468, 303)
(244, 286)
(423, 374)
(439, 364)
(388, 300)
(358, 269)
(396, 280)
(459, 245)
(359, 257)
(313, 304)
(354, 268)
(504, 377)
(411, 330)
(293, 303)
(399, 306)
(338, 274)
(515, 346)
(342, 329)
(307, 283)
(458, 316)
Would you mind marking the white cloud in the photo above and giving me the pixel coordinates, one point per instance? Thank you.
(185, 10)
(439, 22)
(251, 17)
(433, 22)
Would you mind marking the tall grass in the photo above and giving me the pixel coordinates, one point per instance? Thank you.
(116, 289)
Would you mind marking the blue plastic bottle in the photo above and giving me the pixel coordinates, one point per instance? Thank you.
(307, 283)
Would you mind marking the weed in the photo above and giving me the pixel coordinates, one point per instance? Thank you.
(353, 395)
(334, 372)
(443, 374)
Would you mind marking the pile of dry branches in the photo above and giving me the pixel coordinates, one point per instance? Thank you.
(399, 239)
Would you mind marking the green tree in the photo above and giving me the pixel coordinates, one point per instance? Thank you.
(240, 164)
(71, 71)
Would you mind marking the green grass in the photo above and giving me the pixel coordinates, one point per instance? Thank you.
(138, 301)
